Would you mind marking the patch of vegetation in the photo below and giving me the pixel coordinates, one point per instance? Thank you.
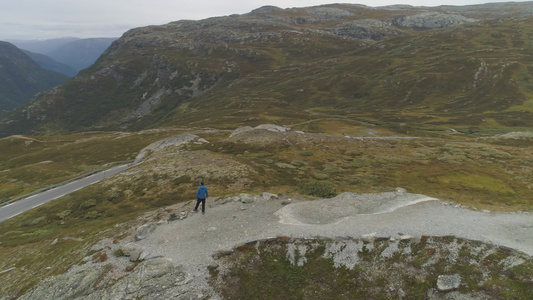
(88, 204)
(322, 189)
(118, 253)
(63, 214)
(326, 269)
(306, 153)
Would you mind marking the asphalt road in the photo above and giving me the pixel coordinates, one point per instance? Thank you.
(18, 207)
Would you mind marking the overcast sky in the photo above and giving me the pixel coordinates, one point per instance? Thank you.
(45, 19)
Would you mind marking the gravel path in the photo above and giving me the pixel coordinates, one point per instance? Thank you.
(192, 242)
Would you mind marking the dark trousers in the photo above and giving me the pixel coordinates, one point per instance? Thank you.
(198, 201)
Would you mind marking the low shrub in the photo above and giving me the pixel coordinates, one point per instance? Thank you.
(62, 215)
(92, 215)
(297, 163)
(88, 204)
(306, 153)
(118, 253)
(317, 188)
(320, 176)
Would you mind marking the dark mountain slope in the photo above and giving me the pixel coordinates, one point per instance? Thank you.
(401, 67)
(50, 64)
(74, 52)
(21, 78)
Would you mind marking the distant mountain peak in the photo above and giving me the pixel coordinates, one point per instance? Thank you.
(76, 53)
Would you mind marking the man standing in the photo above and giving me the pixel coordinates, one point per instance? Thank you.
(201, 195)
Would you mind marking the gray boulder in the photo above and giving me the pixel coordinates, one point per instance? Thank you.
(229, 200)
(144, 231)
(448, 283)
(132, 250)
(269, 196)
(247, 198)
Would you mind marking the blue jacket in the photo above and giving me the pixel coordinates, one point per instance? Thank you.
(201, 193)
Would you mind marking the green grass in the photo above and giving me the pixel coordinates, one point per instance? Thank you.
(476, 181)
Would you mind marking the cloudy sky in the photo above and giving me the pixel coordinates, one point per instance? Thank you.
(44, 19)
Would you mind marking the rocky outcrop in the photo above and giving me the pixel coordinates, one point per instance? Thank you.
(431, 20)
(154, 279)
(273, 128)
(268, 127)
(241, 130)
(269, 196)
(365, 29)
(322, 14)
(448, 283)
(247, 198)
(72, 285)
(133, 251)
(143, 231)
(174, 141)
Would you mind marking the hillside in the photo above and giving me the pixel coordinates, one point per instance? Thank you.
(21, 78)
(74, 52)
(84, 237)
(408, 69)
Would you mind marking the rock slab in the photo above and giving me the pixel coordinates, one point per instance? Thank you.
(448, 283)
(145, 230)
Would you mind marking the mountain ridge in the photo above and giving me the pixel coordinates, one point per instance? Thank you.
(419, 66)
(78, 53)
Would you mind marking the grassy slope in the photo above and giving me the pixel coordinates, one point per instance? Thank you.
(413, 87)
(31, 163)
(480, 173)
(470, 78)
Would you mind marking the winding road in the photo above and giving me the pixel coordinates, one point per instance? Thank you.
(18, 207)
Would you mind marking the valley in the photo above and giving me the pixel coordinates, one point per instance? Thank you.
(362, 141)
